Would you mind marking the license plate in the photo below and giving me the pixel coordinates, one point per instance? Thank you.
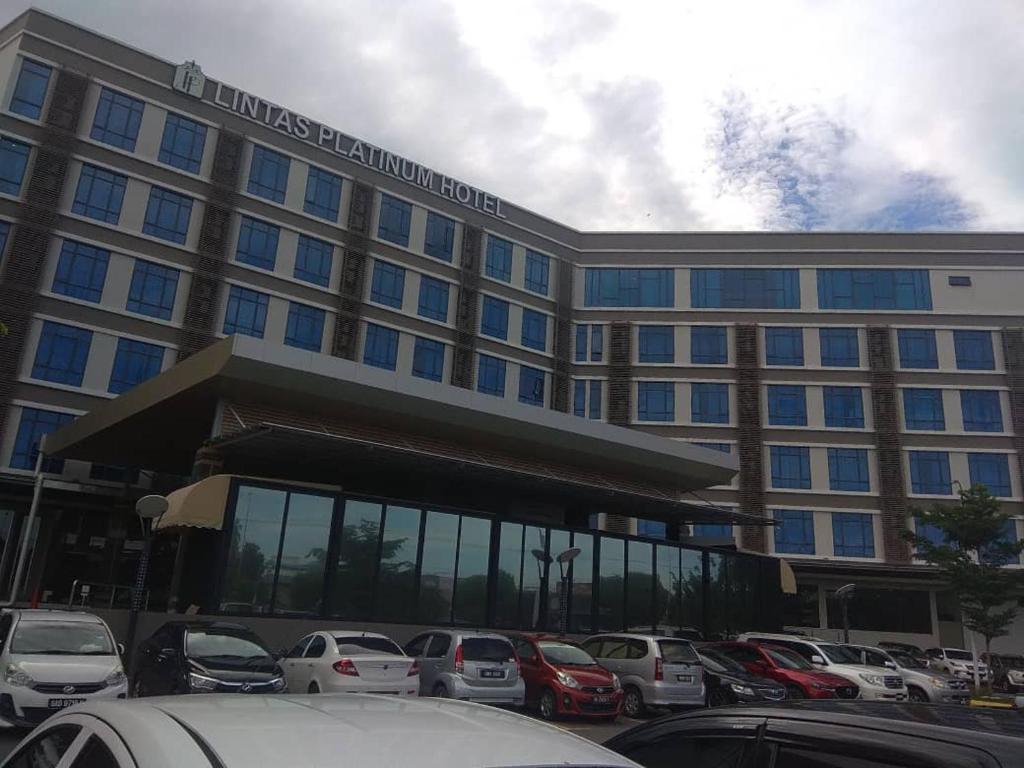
(684, 678)
(62, 703)
(492, 673)
(602, 699)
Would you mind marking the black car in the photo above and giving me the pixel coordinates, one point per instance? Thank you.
(829, 734)
(205, 657)
(729, 682)
(1007, 672)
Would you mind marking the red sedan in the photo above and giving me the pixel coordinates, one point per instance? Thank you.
(802, 679)
(563, 679)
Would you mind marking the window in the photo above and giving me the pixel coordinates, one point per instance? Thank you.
(579, 398)
(13, 159)
(494, 321)
(305, 328)
(118, 118)
(531, 385)
(784, 346)
(596, 343)
(656, 401)
(839, 347)
(499, 259)
(388, 284)
(46, 751)
(874, 289)
(657, 344)
(974, 350)
(246, 312)
(991, 470)
(5, 229)
(708, 345)
(709, 403)
(959, 281)
(712, 530)
(381, 350)
(794, 534)
(844, 407)
(720, 447)
(612, 287)
(994, 553)
(981, 410)
(933, 533)
(62, 353)
(922, 409)
(99, 194)
(167, 215)
(428, 359)
(395, 217)
(134, 363)
(929, 472)
(268, 174)
(490, 377)
(323, 194)
(537, 268)
(433, 298)
(30, 92)
(595, 399)
(183, 143)
(848, 469)
(35, 423)
(853, 534)
(257, 243)
(787, 405)
(652, 529)
(313, 260)
(535, 329)
(791, 466)
(439, 241)
(81, 271)
(917, 348)
(745, 288)
(581, 343)
(152, 290)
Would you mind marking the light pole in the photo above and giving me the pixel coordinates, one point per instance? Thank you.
(149, 509)
(564, 558)
(542, 568)
(844, 595)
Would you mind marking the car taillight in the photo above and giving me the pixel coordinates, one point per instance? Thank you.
(460, 667)
(659, 669)
(414, 669)
(345, 667)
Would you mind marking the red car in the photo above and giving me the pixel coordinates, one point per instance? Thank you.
(801, 678)
(563, 679)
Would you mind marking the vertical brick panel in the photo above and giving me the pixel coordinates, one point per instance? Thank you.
(466, 306)
(562, 337)
(750, 437)
(1013, 352)
(620, 373)
(353, 273)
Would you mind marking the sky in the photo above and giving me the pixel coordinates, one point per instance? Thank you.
(780, 115)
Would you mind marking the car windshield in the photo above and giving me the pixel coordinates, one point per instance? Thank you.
(839, 655)
(718, 662)
(1012, 662)
(487, 649)
(565, 654)
(907, 661)
(210, 644)
(788, 659)
(953, 653)
(65, 638)
(677, 652)
(361, 646)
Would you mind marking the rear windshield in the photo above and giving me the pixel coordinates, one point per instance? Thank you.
(677, 652)
(952, 653)
(563, 653)
(361, 646)
(63, 638)
(788, 659)
(487, 649)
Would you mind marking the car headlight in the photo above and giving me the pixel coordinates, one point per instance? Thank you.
(616, 683)
(938, 682)
(742, 690)
(15, 675)
(115, 678)
(202, 683)
(566, 679)
(278, 684)
(873, 680)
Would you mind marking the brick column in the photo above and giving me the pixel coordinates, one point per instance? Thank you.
(563, 338)
(750, 436)
(467, 306)
(1013, 353)
(353, 273)
(620, 373)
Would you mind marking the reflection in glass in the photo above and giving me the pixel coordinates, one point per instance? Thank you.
(471, 585)
(352, 591)
(639, 614)
(612, 570)
(510, 565)
(558, 542)
(437, 574)
(300, 577)
(667, 589)
(396, 582)
(691, 587)
(718, 595)
(582, 592)
(535, 548)
(255, 535)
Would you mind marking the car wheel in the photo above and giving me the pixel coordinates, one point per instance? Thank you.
(795, 692)
(548, 705)
(917, 695)
(440, 692)
(313, 688)
(633, 702)
(718, 698)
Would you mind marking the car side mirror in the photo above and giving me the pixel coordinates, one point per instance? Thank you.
(166, 654)
(120, 649)
(816, 659)
(281, 654)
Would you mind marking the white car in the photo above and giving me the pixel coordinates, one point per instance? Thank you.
(958, 663)
(350, 662)
(54, 659)
(356, 731)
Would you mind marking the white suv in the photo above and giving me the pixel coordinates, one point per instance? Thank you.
(875, 682)
(958, 663)
(53, 659)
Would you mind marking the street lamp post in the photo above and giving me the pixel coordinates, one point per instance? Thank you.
(844, 595)
(564, 558)
(149, 509)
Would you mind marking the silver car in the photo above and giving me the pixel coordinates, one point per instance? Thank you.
(655, 671)
(468, 665)
(923, 684)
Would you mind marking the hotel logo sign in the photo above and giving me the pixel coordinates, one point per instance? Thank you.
(189, 78)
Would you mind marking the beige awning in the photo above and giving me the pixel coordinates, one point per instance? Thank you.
(787, 578)
(200, 505)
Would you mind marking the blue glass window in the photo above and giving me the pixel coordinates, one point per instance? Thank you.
(794, 533)
(81, 271)
(848, 469)
(652, 529)
(313, 259)
(167, 215)
(388, 284)
(268, 174)
(531, 385)
(428, 359)
(581, 343)
(535, 329)
(35, 422)
(974, 350)
(784, 346)
(118, 118)
(5, 229)
(595, 399)
(656, 401)
(13, 159)
(439, 241)
(134, 363)
(1008, 535)
(709, 403)
(381, 350)
(712, 530)
(30, 92)
(933, 533)
(490, 378)
(853, 534)
(596, 343)
(922, 409)
(246, 312)
(257, 243)
(494, 321)
(395, 218)
(305, 328)
(62, 354)
(791, 466)
(991, 470)
(787, 405)
(537, 268)
(579, 397)
(929, 472)
(708, 345)
(621, 287)
(720, 447)
(153, 290)
(917, 348)
(323, 194)
(874, 289)
(981, 410)
(657, 344)
(499, 259)
(840, 347)
(745, 288)
(844, 407)
(433, 298)
(183, 143)
(99, 194)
